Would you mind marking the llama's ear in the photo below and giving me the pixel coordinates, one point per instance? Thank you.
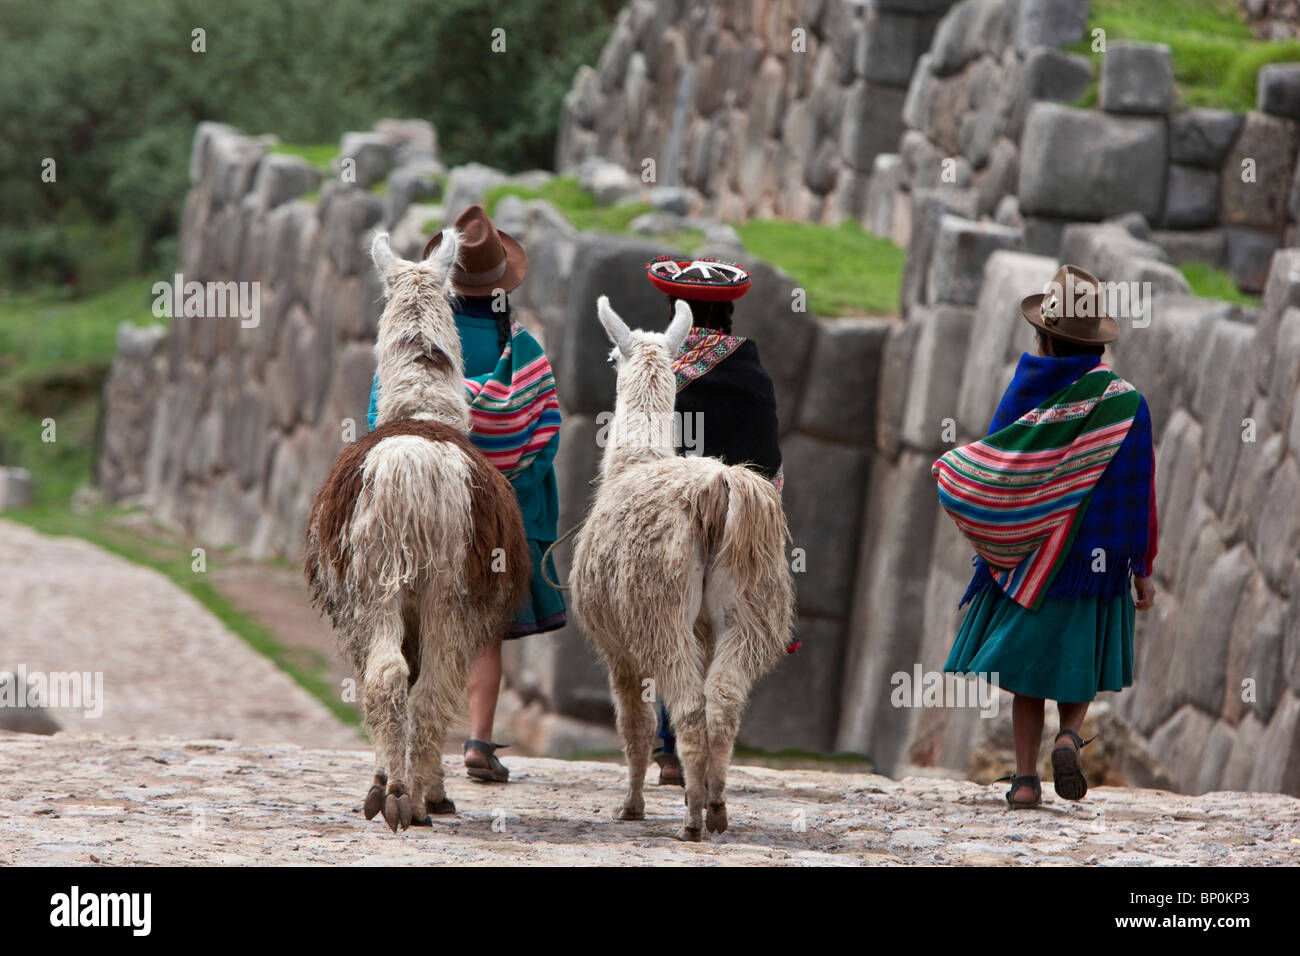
(444, 253)
(615, 327)
(381, 252)
(679, 328)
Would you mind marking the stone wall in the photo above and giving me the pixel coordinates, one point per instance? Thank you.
(1272, 19)
(986, 123)
(759, 108)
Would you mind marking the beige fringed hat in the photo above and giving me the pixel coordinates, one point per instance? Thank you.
(1071, 307)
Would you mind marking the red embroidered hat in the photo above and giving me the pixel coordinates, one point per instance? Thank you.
(702, 280)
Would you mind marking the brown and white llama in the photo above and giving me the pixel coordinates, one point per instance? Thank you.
(415, 545)
(679, 578)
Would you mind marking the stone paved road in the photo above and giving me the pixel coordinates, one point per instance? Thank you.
(169, 666)
(87, 799)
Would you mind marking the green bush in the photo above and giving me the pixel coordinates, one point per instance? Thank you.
(111, 92)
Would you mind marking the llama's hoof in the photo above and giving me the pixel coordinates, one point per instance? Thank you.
(397, 811)
(630, 813)
(715, 818)
(374, 801)
(442, 806)
(690, 835)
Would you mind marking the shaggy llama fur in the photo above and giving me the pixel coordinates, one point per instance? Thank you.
(679, 578)
(415, 544)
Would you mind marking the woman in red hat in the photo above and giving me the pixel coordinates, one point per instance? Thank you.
(515, 422)
(726, 403)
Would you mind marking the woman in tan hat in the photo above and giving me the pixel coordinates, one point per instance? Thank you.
(1059, 503)
(515, 422)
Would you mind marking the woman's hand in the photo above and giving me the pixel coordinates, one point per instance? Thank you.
(1146, 594)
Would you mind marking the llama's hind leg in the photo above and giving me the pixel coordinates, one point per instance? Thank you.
(435, 701)
(732, 672)
(684, 697)
(636, 726)
(384, 695)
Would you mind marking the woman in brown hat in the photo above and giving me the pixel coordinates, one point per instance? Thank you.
(1059, 503)
(515, 422)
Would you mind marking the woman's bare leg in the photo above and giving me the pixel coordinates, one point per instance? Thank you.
(484, 687)
(1071, 718)
(1027, 725)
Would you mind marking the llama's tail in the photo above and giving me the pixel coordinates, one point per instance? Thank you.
(412, 516)
(746, 529)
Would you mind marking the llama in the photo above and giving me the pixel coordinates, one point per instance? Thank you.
(415, 544)
(679, 578)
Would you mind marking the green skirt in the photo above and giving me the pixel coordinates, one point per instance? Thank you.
(542, 608)
(1067, 650)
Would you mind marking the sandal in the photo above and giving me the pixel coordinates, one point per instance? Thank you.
(1067, 767)
(670, 769)
(1026, 780)
(490, 771)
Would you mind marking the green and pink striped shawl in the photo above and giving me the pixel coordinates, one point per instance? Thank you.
(1018, 494)
(513, 410)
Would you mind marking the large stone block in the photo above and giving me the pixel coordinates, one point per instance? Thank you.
(1257, 172)
(371, 157)
(1191, 197)
(281, 178)
(971, 29)
(1182, 246)
(929, 206)
(1137, 78)
(1052, 23)
(467, 185)
(1277, 766)
(1241, 762)
(1179, 745)
(1082, 164)
(1148, 703)
(604, 265)
(346, 217)
(891, 395)
(888, 46)
(824, 488)
(1198, 669)
(938, 357)
(839, 401)
(783, 336)
(1249, 253)
(770, 722)
(1285, 367)
(872, 123)
(1277, 544)
(1281, 291)
(1202, 137)
(1047, 74)
(998, 335)
(961, 250)
(1254, 661)
(888, 610)
(1222, 400)
(1278, 90)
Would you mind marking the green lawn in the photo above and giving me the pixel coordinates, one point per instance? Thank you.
(844, 269)
(319, 155)
(1213, 283)
(54, 356)
(1216, 60)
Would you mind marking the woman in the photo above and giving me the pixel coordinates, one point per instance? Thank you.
(1059, 501)
(515, 422)
(726, 405)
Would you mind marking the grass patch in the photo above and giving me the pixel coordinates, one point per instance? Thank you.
(1210, 282)
(103, 527)
(845, 269)
(319, 156)
(54, 356)
(1216, 60)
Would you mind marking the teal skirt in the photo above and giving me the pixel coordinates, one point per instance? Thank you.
(1065, 651)
(542, 608)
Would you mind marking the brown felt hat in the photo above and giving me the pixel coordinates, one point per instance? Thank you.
(489, 258)
(1071, 307)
